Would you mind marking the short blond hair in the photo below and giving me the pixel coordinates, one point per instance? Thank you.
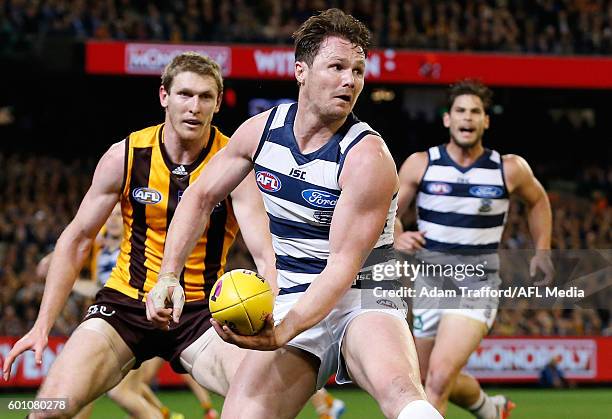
(195, 63)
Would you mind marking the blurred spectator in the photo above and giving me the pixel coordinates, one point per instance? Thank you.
(540, 26)
(551, 375)
(38, 195)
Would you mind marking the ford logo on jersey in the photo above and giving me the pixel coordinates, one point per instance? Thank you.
(439, 188)
(146, 196)
(320, 199)
(486, 191)
(267, 181)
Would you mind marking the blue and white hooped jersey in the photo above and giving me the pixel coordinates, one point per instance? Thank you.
(462, 208)
(300, 192)
(107, 259)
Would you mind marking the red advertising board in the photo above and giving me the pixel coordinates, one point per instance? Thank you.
(384, 65)
(25, 372)
(496, 360)
(522, 359)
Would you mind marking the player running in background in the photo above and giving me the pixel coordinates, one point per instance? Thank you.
(329, 186)
(453, 216)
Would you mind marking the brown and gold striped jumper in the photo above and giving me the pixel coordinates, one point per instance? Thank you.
(152, 188)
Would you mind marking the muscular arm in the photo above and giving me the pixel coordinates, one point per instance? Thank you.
(225, 172)
(522, 183)
(410, 175)
(356, 225)
(253, 220)
(75, 242)
(71, 251)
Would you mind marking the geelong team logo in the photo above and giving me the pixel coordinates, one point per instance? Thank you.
(324, 217)
(146, 196)
(267, 181)
(486, 191)
(320, 199)
(439, 188)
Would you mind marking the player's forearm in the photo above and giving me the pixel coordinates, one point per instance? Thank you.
(68, 258)
(398, 228)
(188, 224)
(539, 217)
(266, 266)
(259, 243)
(318, 301)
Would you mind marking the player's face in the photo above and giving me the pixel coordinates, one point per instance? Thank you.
(334, 81)
(466, 121)
(190, 105)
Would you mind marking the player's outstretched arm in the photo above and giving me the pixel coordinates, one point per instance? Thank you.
(71, 251)
(521, 182)
(254, 226)
(222, 174)
(358, 220)
(410, 175)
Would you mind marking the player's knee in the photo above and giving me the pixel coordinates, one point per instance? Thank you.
(395, 391)
(440, 377)
(70, 409)
(210, 375)
(53, 389)
(116, 394)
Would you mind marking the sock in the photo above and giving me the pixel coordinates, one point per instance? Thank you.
(484, 407)
(419, 409)
(322, 408)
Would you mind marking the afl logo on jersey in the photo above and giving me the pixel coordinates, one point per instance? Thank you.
(439, 188)
(320, 199)
(267, 181)
(146, 196)
(486, 191)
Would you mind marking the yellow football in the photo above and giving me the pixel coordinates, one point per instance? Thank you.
(241, 299)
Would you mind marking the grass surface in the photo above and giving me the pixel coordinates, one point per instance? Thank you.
(588, 403)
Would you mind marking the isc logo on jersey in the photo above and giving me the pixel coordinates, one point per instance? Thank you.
(147, 196)
(439, 188)
(320, 199)
(486, 191)
(267, 181)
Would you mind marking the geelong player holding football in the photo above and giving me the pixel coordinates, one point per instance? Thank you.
(329, 186)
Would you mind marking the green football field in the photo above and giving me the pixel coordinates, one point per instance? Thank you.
(587, 403)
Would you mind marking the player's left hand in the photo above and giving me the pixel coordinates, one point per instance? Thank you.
(542, 261)
(166, 290)
(266, 340)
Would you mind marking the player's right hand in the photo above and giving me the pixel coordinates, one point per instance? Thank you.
(166, 290)
(410, 240)
(266, 340)
(36, 340)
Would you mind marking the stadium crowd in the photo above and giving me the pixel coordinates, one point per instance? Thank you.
(538, 26)
(39, 195)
